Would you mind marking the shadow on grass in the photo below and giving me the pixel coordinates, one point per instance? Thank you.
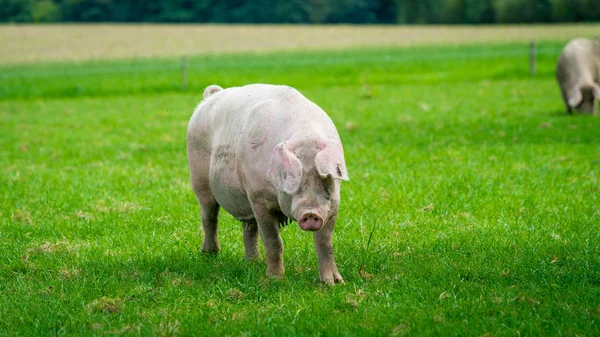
(560, 113)
(200, 273)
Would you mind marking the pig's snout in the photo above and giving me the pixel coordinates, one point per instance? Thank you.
(310, 222)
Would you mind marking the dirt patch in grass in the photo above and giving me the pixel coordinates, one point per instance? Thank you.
(106, 305)
(22, 216)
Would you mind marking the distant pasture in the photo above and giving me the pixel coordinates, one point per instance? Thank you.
(77, 42)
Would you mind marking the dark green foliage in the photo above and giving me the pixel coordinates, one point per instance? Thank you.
(301, 11)
(468, 11)
(15, 10)
(417, 11)
(478, 11)
(575, 10)
(44, 11)
(515, 11)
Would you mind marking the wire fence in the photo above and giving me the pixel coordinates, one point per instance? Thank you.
(144, 75)
(186, 64)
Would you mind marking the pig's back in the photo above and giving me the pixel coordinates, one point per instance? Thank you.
(276, 108)
(579, 62)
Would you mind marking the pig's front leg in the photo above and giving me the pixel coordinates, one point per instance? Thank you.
(323, 243)
(268, 227)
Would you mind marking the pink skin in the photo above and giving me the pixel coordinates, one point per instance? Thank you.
(310, 221)
(235, 136)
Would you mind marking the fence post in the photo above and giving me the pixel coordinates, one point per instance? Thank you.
(184, 83)
(532, 57)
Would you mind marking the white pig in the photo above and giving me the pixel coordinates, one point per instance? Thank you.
(578, 75)
(267, 154)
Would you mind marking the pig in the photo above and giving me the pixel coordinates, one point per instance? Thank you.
(578, 75)
(267, 155)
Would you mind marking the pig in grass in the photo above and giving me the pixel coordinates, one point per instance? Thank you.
(266, 154)
(578, 75)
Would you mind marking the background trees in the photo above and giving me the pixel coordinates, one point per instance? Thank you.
(301, 11)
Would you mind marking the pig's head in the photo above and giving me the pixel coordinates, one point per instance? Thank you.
(307, 175)
(584, 98)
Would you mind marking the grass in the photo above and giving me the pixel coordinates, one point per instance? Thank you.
(473, 206)
(352, 67)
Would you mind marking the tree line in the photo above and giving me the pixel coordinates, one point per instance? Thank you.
(302, 11)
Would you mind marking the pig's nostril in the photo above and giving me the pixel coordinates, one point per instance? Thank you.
(310, 221)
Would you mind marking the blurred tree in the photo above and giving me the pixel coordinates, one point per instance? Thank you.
(87, 10)
(522, 11)
(589, 10)
(575, 10)
(15, 11)
(301, 11)
(418, 11)
(352, 11)
(478, 11)
(453, 11)
(564, 10)
(293, 11)
(317, 10)
(385, 11)
(44, 11)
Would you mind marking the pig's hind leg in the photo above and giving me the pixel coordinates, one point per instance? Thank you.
(210, 224)
(209, 208)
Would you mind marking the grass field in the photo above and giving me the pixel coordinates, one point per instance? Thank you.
(473, 206)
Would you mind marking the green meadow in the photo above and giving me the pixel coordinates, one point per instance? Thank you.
(473, 206)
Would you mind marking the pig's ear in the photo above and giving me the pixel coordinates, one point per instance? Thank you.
(574, 97)
(285, 170)
(330, 162)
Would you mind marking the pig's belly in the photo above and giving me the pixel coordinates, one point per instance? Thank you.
(228, 191)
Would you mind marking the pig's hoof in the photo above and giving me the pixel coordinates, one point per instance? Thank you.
(210, 250)
(274, 277)
(253, 258)
(278, 273)
(210, 247)
(332, 279)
